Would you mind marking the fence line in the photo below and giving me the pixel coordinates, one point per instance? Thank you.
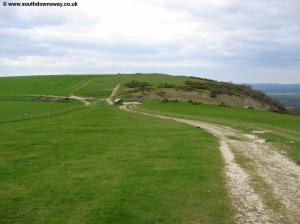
(39, 115)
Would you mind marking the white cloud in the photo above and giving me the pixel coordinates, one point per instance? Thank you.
(226, 38)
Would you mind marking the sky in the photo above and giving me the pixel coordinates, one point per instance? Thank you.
(255, 41)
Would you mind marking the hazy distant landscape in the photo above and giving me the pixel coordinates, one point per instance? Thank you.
(287, 94)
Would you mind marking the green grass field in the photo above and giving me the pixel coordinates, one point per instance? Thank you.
(99, 164)
(62, 85)
(19, 110)
(47, 85)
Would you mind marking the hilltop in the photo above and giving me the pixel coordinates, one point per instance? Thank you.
(200, 90)
(140, 87)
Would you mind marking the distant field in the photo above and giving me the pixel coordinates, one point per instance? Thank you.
(287, 94)
(97, 86)
(47, 85)
(59, 85)
(288, 99)
(18, 94)
(82, 85)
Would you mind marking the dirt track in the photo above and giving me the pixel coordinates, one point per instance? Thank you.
(281, 175)
(109, 100)
(81, 99)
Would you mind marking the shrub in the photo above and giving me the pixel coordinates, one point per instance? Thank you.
(196, 85)
(136, 84)
(139, 86)
(166, 85)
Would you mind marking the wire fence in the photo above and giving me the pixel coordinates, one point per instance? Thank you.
(28, 116)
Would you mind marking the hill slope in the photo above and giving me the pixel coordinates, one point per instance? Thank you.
(197, 90)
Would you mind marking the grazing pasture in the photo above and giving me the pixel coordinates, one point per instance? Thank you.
(98, 164)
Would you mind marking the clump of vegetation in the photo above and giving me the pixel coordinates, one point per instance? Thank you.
(166, 85)
(145, 86)
(133, 91)
(185, 88)
(197, 84)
